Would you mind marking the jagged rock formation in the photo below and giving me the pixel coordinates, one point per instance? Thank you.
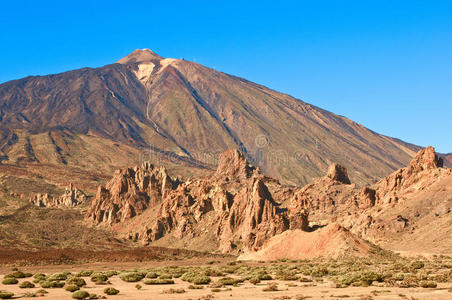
(330, 195)
(397, 208)
(234, 203)
(72, 197)
(337, 172)
(239, 209)
(423, 165)
(409, 210)
(130, 192)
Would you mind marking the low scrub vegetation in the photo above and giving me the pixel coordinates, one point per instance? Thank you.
(52, 284)
(78, 281)
(80, 295)
(111, 291)
(158, 281)
(71, 288)
(131, 276)
(26, 285)
(10, 280)
(6, 295)
(390, 272)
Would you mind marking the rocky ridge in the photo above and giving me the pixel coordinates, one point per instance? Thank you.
(238, 209)
(401, 206)
(235, 203)
(71, 197)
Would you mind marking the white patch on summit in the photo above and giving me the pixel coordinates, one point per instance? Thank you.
(144, 71)
(166, 62)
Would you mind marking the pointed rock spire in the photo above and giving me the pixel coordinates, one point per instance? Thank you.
(338, 173)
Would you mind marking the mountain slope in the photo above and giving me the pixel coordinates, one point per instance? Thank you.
(179, 113)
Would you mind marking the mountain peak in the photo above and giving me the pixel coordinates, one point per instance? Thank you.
(140, 55)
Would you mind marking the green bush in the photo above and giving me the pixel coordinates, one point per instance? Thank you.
(417, 264)
(427, 284)
(398, 276)
(111, 273)
(408, 282)
(26, 285)
(347, 279)
(78, 281)
(287, 277)
(57, 277)
(84, 273)
(17, 274)
(229, 281)
(111, 291)
(99, 277)
(72, 288)
(80, 295)
(188, 276)
(10, 280)
(192, 287)
(319, 271)
(39, 277)
(369, 277)
(213, 272)
(201, 279)
(152, 275)
(52, 284)
(165, 276)
(158, 281)
(265, 277)
(131, 276)
(6, 295)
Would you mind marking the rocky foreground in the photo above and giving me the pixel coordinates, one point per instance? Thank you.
(239, 210)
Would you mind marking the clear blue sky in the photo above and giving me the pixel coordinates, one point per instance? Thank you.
(385, 64)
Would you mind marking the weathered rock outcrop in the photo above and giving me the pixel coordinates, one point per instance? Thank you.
(328, 196)
(238, 209)
(334, 195)
(332, 241)
(423, 167)
(338, 173)
(72, 197)
(401, 206)
(233, 206)
(408, 210)
(130, 192)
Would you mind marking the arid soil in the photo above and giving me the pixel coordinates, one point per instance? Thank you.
(308, 287)
(239, 210)
(71, 256)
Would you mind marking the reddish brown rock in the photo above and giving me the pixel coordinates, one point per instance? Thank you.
(332, 241)
(130, 192)
(238, 209)
(70, 198)
(423, 166)
(231, 209)
(338, 173)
